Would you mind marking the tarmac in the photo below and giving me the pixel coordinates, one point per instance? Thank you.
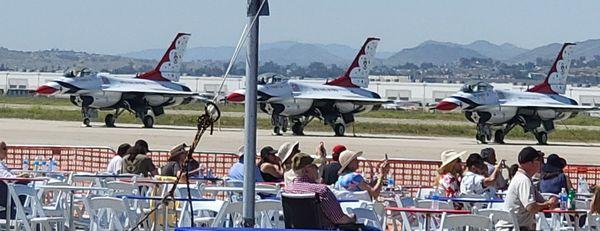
(41, 132)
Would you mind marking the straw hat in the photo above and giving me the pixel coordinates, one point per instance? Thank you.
(285, 150)
(346, 157)
(450, 155)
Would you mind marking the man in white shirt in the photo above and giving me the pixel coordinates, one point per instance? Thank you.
(522, 198)
(474, 182)
(114, 166)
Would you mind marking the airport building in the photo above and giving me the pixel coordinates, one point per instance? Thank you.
(391, 87)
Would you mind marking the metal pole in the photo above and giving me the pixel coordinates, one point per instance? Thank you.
(250, 116)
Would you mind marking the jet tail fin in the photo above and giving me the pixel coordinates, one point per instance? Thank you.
(357, 75)
(169, 67)
(556, 80)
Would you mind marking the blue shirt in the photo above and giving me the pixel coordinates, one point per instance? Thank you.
(349, 181)
(553, 185)
(236, 172)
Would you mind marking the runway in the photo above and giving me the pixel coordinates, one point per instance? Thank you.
(18, 131)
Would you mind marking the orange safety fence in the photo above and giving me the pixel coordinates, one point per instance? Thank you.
(406, 172)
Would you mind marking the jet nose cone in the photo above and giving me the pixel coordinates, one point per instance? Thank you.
(236, 97)
(446, 106)
(46, 90)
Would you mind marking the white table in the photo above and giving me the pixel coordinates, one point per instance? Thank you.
(71, 190)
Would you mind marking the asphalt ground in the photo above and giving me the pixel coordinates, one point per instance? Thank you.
(18, 131)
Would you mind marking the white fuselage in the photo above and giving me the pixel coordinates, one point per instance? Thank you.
(294, 98)
(92, 88)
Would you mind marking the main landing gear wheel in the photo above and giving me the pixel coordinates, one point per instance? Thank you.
(542, 138)
(481, 138)
(499, 137)
(86, 122)
(109, 120)
(298, 129)
(148, 121)
(339, 129)
(277, 131)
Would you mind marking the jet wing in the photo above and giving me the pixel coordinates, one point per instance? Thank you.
(353, 99)
(557, 106)
(152, 91)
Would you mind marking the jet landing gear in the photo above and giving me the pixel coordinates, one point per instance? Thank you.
(88, 113)
(280, 124)
(484, 133)
(501, 133)
(339, 129)
(541, 137)
(110, 119)
(299, 124)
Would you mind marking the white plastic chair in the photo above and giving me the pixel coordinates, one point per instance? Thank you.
(508, 218)
(422, 193)
(426, 204)
(269, 214)
(463, 221)
(409, 221)
(593, 221)
(119, 215)
(56, 206)
(121, 187)
(36, 216)
(204, 213)
(231, 212)
(367, 217)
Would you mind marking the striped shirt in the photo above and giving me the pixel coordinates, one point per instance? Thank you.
(329, 204)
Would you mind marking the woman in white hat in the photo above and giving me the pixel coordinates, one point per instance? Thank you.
(350, 180)
(449, 173)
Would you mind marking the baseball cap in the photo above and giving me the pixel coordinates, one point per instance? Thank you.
(302, 160)
(267, 150)
(528, 154)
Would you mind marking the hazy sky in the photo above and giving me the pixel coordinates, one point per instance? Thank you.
(118, 26)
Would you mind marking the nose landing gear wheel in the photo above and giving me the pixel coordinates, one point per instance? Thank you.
(109, 120)
(297, 129)
(499, 137)
(148, 121)
(542, 138)
(86, 122)
(339, 129)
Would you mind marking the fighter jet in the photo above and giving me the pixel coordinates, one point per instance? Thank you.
(146, 95)
(335, 102)
(535, 110)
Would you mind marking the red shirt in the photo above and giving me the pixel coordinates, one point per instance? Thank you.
(329, 204)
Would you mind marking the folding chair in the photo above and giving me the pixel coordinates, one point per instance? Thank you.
(118, 214)
(31, 220)
(466, 221)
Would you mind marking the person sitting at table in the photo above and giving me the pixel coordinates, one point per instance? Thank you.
(114, 166)
(175, 162)
(306, 181)
(473, 181)
(136, 161)
(489, 158)
(552, 178)
(595, 205)
(449, 173)
(522, 198)
(6, 172)
(352, 181)
(236, 172)
(330, 171)
(270, 165)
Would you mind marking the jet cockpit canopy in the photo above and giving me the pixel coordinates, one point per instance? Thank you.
(271, 78)
(476, 87)
(77, 72)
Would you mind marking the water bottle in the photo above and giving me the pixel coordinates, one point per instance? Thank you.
(209, 174)
(44, 165)
(390, 182)
(563, 199)
(435, 197)
(36, 163)
(25, 164)
(572, 199)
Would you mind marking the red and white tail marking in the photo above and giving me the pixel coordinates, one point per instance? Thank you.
(556, 80)
(357, 75)
(169, 67)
